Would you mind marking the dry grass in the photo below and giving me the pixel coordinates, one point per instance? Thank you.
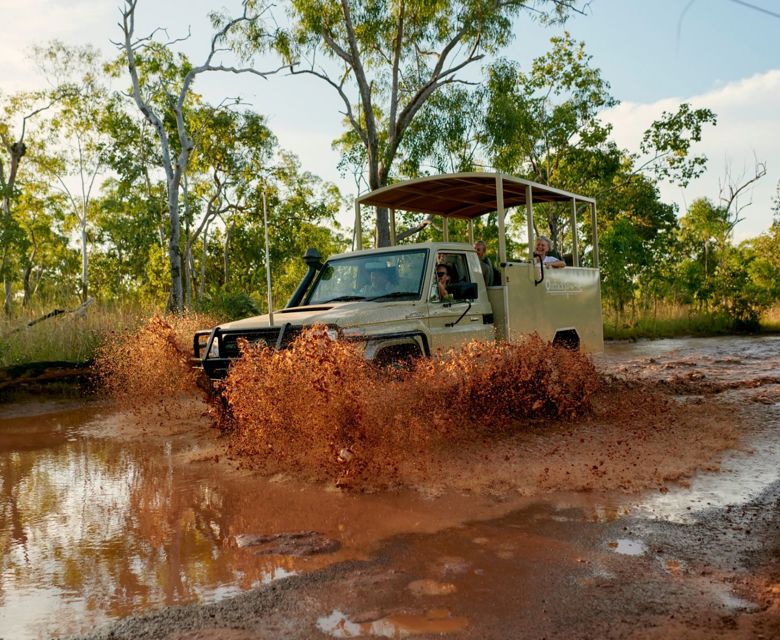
(665, 321)
(70, 337)
(770, 321)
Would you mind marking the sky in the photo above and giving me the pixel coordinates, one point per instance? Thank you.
(720, 54)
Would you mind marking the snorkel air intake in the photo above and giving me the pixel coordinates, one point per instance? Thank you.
(313, 260)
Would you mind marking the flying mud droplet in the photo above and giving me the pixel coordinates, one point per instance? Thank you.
(320, 409)
(151, 363)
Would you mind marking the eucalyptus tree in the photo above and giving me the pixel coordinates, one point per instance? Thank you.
(546, 124)
(637, 244)
(302, 212)
(18, 112)
(48, 265)
(386, 58)
(230, 163)
(76, 139)
(765, 269)
(161, 89)
(703, 237)
(130, 215)
(129, 229)
(735, 194)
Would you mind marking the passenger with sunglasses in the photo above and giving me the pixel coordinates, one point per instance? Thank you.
(443, 280)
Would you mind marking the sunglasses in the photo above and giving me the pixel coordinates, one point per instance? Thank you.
(441, 274)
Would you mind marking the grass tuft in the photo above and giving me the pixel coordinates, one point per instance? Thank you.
(667, 322)
(69, 337)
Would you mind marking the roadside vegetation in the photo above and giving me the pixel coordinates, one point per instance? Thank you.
(72, 336)
(137, 192)
(79, 337)
(679, 322)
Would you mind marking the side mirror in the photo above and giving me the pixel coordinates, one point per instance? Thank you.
(464, 290)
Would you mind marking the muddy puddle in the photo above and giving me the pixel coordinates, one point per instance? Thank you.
(101, 517)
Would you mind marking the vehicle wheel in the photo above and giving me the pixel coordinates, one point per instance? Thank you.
(398, 357)
(568, 339)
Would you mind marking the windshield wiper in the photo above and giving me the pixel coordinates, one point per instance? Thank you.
(396, 294)
(343, 299)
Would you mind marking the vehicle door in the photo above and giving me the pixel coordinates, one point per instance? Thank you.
(453, 321)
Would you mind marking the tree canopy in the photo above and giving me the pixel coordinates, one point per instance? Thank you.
(150, 192)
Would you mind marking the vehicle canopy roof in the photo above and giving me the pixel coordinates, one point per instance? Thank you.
(465, 195)
(470, 195)
(432, 246)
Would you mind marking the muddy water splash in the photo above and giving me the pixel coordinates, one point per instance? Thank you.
(492, 418)
(321, 409)
(151, 363)
(86, 525)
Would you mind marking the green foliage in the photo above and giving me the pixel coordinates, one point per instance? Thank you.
(668, 142)
(535, 120)
(386, 60)
(443, 138)
(404, 117)
(622, 251)
(230, 305)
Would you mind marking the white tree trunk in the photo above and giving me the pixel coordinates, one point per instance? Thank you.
(84, 259)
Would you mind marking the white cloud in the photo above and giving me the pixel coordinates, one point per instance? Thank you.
(747, 131)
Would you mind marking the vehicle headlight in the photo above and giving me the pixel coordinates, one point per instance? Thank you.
(214, 350)
(332, 333)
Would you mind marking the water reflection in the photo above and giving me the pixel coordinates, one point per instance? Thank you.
(628, 547)
(741, 477)
(437, 621)
(91, 529)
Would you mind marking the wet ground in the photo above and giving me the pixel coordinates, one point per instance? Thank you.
(588, 530)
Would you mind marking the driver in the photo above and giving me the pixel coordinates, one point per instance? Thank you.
(380, 283)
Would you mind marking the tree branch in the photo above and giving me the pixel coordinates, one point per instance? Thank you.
(349, 113)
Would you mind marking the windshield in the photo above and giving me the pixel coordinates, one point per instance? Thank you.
(386, 276)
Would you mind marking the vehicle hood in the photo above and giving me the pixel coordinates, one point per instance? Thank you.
(343, 314)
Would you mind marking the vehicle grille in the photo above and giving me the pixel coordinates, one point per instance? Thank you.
(269, 336)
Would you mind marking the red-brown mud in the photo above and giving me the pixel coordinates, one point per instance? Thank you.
(150, 364)
(585, 566)
(321, 410)
(495, 419)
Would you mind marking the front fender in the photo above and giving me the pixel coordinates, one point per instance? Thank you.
(376, 343)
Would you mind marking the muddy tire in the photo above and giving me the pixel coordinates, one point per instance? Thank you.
(400, 356)
(568, 339)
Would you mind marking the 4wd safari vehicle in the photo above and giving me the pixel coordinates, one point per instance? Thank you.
(387, 299)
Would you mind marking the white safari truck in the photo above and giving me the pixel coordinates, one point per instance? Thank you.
(387, 300)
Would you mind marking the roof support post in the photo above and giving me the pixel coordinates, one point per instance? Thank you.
(357, 240)
(446, 228)
(595, 236)
(501, 212)
(529, 215)
(471, 231)
(575, 249)
(392, 227)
